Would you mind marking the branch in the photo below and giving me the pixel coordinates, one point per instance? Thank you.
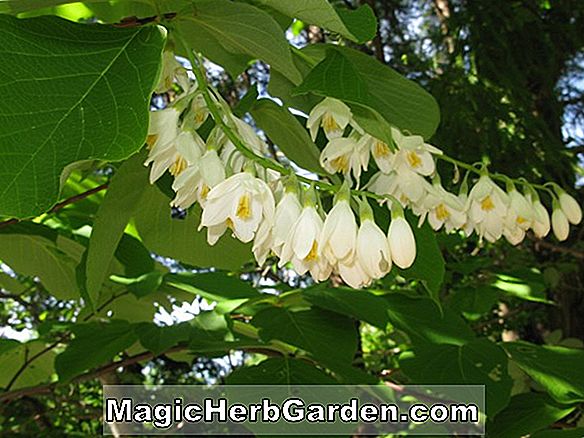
(558, 248)
(64, 203)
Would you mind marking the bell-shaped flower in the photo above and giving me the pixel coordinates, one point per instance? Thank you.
(345, 155)
(402, 243)
(519, 217)
(408, 188)
(333, 115)
(230, 155)
(413, 154)
(263, 241)
(198, 111)
(161, 141)
(339, 232)
(372, 248)
(353, 274)
(302, 248)
(570, 207)
(171, 70)
(190, 147)
(241, 202)
(382, 154)
(560, 224)
(287, 212)
(487, 206)
(442, 208)
(541, 219)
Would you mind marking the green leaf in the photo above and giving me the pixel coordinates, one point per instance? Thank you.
(523, 284)
(10, 284)
(473, 301)
(325, 335)
(557, 369)
(36, 250)
(159, 339)
(13, 355)
(65, 100)
(214, 286)
(527, 413)
(424, 323)
(358, 304)
(357, 25)
(280, 371)
(118, 206)
(222, 29)
(95, 343)
(179, 238)
(287, 133)
(358, 78)
(478, 362)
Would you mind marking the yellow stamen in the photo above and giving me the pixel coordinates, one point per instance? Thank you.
(414, 159)
(442, 212)
(313, 253)
(150, 140)
(340, 164)
(380, 150)
(487, 204)
(178, 166)
(244, 207)
(521, 220)
(329, 124)
(229, 223)
(200, 116)
(205, 191)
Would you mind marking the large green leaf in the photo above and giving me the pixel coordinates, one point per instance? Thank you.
(69, 92)
(179, 238)
(232, 33)
(424, 323)
(558, 369)
(287, 133)
(214, 286)
(358, 25)
(358, 304)
(280, 371)
(36, 250)
(13, 355)
(95, 343)
(527, 413)
(358, 78)
(560, 433)
(479, 362)
(158, 339)
(325, 335)
(118, 206)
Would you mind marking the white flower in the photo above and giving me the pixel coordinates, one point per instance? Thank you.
(197, 180)
(302, 247)
(354, 274)
(560, 224)
(519, 217)
(373, 249)
(199, 109)
(409, 188)
(382, 154)
(402, 244)
(171, 70)
(339, 233)
(442, 208)
(487, 208)
(287, 212)
(263, 241)
(190, 146)
(345, 155)
(230, 155)
(571, 208)
(240, 202)
(333, 115)
(413, 154)
(541, 217)
(162, 134)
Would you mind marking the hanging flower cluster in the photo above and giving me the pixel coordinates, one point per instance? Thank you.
(227, 176)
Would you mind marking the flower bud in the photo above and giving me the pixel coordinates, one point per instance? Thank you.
(402, 244)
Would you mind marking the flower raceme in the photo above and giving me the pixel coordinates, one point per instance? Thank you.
(286, 219)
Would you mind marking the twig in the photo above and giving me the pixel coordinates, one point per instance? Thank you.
(62, 204)
(558, 248)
